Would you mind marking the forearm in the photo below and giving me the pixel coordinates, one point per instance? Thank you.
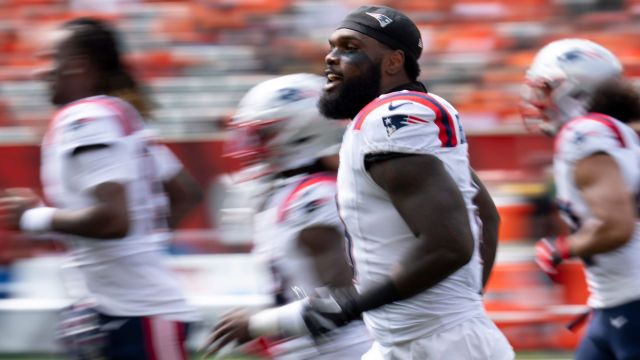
(178, 211)
(432, 206)
(416, 273)
(597, 236)
(184, 194)
(427, 271)
(333, 269)
(490, 225)
(612, 206)
(99, 222)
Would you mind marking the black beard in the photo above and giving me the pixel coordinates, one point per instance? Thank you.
(351, 96)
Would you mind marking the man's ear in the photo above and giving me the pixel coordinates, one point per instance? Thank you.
(394, 62)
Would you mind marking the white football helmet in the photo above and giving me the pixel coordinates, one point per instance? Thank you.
(561, 80)
(278, 127)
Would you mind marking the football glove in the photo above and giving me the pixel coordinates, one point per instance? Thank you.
(550, 253)
(333, 308)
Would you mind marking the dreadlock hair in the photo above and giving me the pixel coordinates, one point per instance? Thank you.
(618, 99)
(98, 41)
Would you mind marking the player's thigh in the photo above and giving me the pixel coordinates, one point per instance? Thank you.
(380, 352)
(140, 338)
(588, 350)
(623, 330)
(475, 339)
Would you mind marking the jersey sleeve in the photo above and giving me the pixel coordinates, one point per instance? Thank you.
(90, 124)
(312, 206)
(88, 169)
(584, 137)
(106, 157)
(166, 163)
(416, 125)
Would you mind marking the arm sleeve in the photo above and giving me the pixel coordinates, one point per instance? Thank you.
(166, 163)
(94, 148)
(89, 168)
(91, 130)
(585, 137)
(414, 127)
(314, 206)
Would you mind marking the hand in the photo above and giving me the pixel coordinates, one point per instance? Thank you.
(232, 326)
(13, 203)
(550, 253)
(334, 308)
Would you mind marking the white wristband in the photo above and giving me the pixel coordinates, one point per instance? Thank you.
(281, 321)
(38, 219)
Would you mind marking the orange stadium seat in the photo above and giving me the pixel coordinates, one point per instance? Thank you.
(491, 10)
(516, 221)
(530, 310)
(423, 5)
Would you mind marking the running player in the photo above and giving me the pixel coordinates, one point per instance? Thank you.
(575, 87)
(103, 179)
(298, 231)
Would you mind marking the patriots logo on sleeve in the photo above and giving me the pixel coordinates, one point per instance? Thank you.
(77, 124)
(578, 137)
(396, 122)
(312, 206)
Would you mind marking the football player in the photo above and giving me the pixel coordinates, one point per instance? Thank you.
(420, 223)
(575, 88)
(298, 231)
(109, 190)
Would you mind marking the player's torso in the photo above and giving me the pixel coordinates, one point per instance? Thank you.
(414, 123)
(295, 204)
(288, 211)
(613, 277)
(119, 273)
(60, 172)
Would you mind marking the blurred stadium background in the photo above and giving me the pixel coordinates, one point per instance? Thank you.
(197, 58)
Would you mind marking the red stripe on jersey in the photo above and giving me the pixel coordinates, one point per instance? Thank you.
(182, 337)
(303, 184)
(416, 120)
(128, 120)
(608, 122)
(601, 118)
(444, 120)
(149, 346)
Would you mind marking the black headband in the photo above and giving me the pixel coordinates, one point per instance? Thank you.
(388, 26)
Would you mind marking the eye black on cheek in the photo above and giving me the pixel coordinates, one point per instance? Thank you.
(356, 57)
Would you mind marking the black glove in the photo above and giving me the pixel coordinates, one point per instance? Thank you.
(333, 308)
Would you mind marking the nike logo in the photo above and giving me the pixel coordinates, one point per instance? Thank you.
(391, 107)
(618, 322)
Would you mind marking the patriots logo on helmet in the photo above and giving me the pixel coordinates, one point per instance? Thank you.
(580, 55)
(384, 20)
(395, 122)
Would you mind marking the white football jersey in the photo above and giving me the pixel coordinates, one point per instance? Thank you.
(125, 276)
(295, 204)
(613, 277)
(414, 123)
